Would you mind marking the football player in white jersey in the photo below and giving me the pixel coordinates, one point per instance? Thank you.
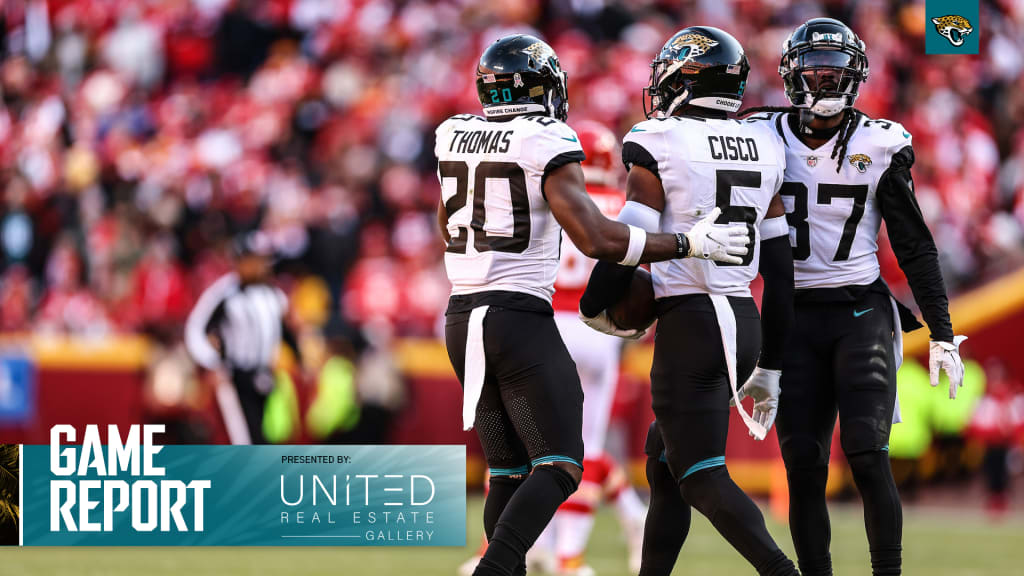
(509, 183)
(845, 173)
(688, 161)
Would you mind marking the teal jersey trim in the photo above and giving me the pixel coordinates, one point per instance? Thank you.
(508, 471)
(705, 464)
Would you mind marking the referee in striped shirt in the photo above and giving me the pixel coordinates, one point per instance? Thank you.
(238, 324)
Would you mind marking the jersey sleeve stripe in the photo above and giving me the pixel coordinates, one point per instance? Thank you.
(557, 162)
(634, 154)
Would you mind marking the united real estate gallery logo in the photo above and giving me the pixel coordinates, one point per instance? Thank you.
(127, 490)
(952, 27)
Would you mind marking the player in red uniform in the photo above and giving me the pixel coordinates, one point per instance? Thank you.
(597, 361)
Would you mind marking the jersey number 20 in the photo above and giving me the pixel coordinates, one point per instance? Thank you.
(519, 241)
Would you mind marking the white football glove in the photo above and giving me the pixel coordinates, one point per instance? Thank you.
(763, 387)
(946, 356)
(602, 323)
(721, 242)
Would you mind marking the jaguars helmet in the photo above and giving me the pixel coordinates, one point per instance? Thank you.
(698, 66)
(823, 64)
(520, 74)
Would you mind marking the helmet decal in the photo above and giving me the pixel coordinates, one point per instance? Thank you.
(539, 51)
(688, 46)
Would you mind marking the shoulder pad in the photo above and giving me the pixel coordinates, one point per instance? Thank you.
(884, 133)
(654, 125)
(456, 120)
(546, 128)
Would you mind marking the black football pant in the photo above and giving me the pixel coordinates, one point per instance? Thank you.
(253, 387)
(686, 446)
(840, 359)
(530, 414)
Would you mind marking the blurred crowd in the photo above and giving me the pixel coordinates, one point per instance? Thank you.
(138, 138)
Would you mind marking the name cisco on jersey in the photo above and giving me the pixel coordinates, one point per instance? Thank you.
(480, 141)
(733, 148)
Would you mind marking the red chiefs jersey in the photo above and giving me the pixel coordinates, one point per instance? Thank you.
(574, 268)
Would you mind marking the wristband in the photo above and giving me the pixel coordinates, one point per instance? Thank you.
(682, 246)
(637, 242)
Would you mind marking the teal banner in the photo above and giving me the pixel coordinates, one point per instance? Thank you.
(952, 27)
(77, 495)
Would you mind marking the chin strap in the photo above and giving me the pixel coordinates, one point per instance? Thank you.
(804, 124)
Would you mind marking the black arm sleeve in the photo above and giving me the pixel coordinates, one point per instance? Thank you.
(607, 285)
(913, 244)
(776, 268)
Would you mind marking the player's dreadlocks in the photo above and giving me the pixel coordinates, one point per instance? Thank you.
(846, 127)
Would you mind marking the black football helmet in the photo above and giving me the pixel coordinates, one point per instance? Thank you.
(823, 64)
(520, 74)
(699, 66)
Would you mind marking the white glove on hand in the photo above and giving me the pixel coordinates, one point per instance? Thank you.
(763, 387)
(720, 242)
(602, 323)
(946, 356)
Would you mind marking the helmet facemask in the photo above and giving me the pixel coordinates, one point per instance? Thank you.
(823, 80)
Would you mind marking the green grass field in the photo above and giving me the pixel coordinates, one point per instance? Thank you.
(936, 543)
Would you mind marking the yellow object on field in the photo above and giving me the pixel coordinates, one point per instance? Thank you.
(281, 413)
(336, 407)
(951, 417)
(910, 438)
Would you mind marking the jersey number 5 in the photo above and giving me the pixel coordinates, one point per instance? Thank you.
(725, 181)
(519, 240)
(826, 192)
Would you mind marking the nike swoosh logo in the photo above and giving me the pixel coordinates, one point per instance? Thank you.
(906, 134)
(859, 313)
(573, 139)
(635, 129)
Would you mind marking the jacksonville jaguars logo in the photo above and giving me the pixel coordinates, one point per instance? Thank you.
(860, 162)
(691, 45)
(953, 28)
(539, 51)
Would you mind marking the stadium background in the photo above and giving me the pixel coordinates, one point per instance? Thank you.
(139, 138)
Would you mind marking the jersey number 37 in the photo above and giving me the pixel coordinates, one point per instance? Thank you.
(826, 192)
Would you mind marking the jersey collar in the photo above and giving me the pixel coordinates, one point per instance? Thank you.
(798, 142)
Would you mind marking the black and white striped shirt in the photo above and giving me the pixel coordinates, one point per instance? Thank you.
(248, 320)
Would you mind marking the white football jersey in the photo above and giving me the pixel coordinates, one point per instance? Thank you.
(704, 163)
(503, 235)
(834, 217)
